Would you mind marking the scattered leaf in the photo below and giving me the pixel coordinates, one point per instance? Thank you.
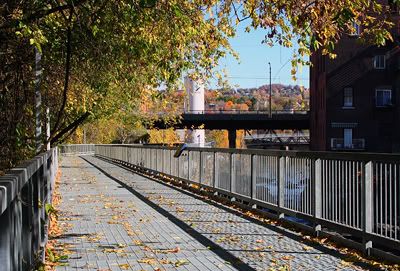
(124, 266)
(181, 262)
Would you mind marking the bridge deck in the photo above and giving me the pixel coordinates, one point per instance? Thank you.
(232, 121)
(118, 220)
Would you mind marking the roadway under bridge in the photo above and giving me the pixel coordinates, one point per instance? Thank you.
(240, 120)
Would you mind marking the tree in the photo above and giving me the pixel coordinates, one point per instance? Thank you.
(228, 105)
(102, 57)
(164, 136)
(219, 137)
(243, 107)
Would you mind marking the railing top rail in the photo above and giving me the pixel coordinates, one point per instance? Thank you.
(304, 154)
(90, 144)
(12, 182)
(232, 111)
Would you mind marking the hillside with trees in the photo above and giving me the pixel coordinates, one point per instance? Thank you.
(284, 97)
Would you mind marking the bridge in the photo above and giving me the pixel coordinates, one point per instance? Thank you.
(297, 139)
(135, 207)
(233, 120)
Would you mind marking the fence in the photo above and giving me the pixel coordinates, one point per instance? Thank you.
(357, 193)
(77, 149)
(24, 193)
(237, 111)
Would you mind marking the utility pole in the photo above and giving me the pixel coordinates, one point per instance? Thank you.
(38, 101)
(270, 91)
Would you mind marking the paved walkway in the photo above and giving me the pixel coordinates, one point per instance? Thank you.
(118, 220)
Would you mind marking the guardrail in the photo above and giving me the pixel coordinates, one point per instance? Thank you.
(356, 144)
(234, 111)
(76, 149)
(344, 192)
(24, 193)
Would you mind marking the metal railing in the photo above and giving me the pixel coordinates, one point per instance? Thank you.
(238, 111)
(346, 192)
(24, 193)
(339, 144)
(77, 149)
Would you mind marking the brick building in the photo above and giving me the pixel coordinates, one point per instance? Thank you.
(355, 98)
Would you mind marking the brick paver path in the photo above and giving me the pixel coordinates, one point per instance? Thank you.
(118, 220)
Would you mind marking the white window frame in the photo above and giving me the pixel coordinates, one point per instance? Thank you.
(383, 90)
(348, 104)
(380, 62)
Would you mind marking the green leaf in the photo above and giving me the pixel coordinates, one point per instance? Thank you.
(51, 256)
(178, 11)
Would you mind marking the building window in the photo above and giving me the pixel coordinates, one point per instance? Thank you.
(383, 97)
(356, 29)
(348, 97)
(379, 62)
(347, 138)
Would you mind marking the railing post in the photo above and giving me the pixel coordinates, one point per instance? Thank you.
(317, 199)
(170, 162)
(6, 239)
(367, 211)
(231, 179)
(281, 183)
(156, 160)
(178, 166)
(162, 161)
(215, 170)
(252, 177)
(200, 167)
(188, 166)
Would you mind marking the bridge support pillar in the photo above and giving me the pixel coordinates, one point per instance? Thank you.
(232, 138)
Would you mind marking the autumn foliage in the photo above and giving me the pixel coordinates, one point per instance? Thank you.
(100, 59)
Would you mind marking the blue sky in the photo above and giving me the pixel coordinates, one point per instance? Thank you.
(253, 70)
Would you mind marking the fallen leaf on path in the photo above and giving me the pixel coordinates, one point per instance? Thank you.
(147, 260)
(181, 262)
(124, 266)
(165, 251)
(138, 242)
(307, 248)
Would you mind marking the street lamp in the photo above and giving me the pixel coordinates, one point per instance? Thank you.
(270, 91)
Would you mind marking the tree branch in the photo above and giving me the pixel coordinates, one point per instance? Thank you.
(43, 13)
(237, 15)
(66, 80)
(72, 126)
